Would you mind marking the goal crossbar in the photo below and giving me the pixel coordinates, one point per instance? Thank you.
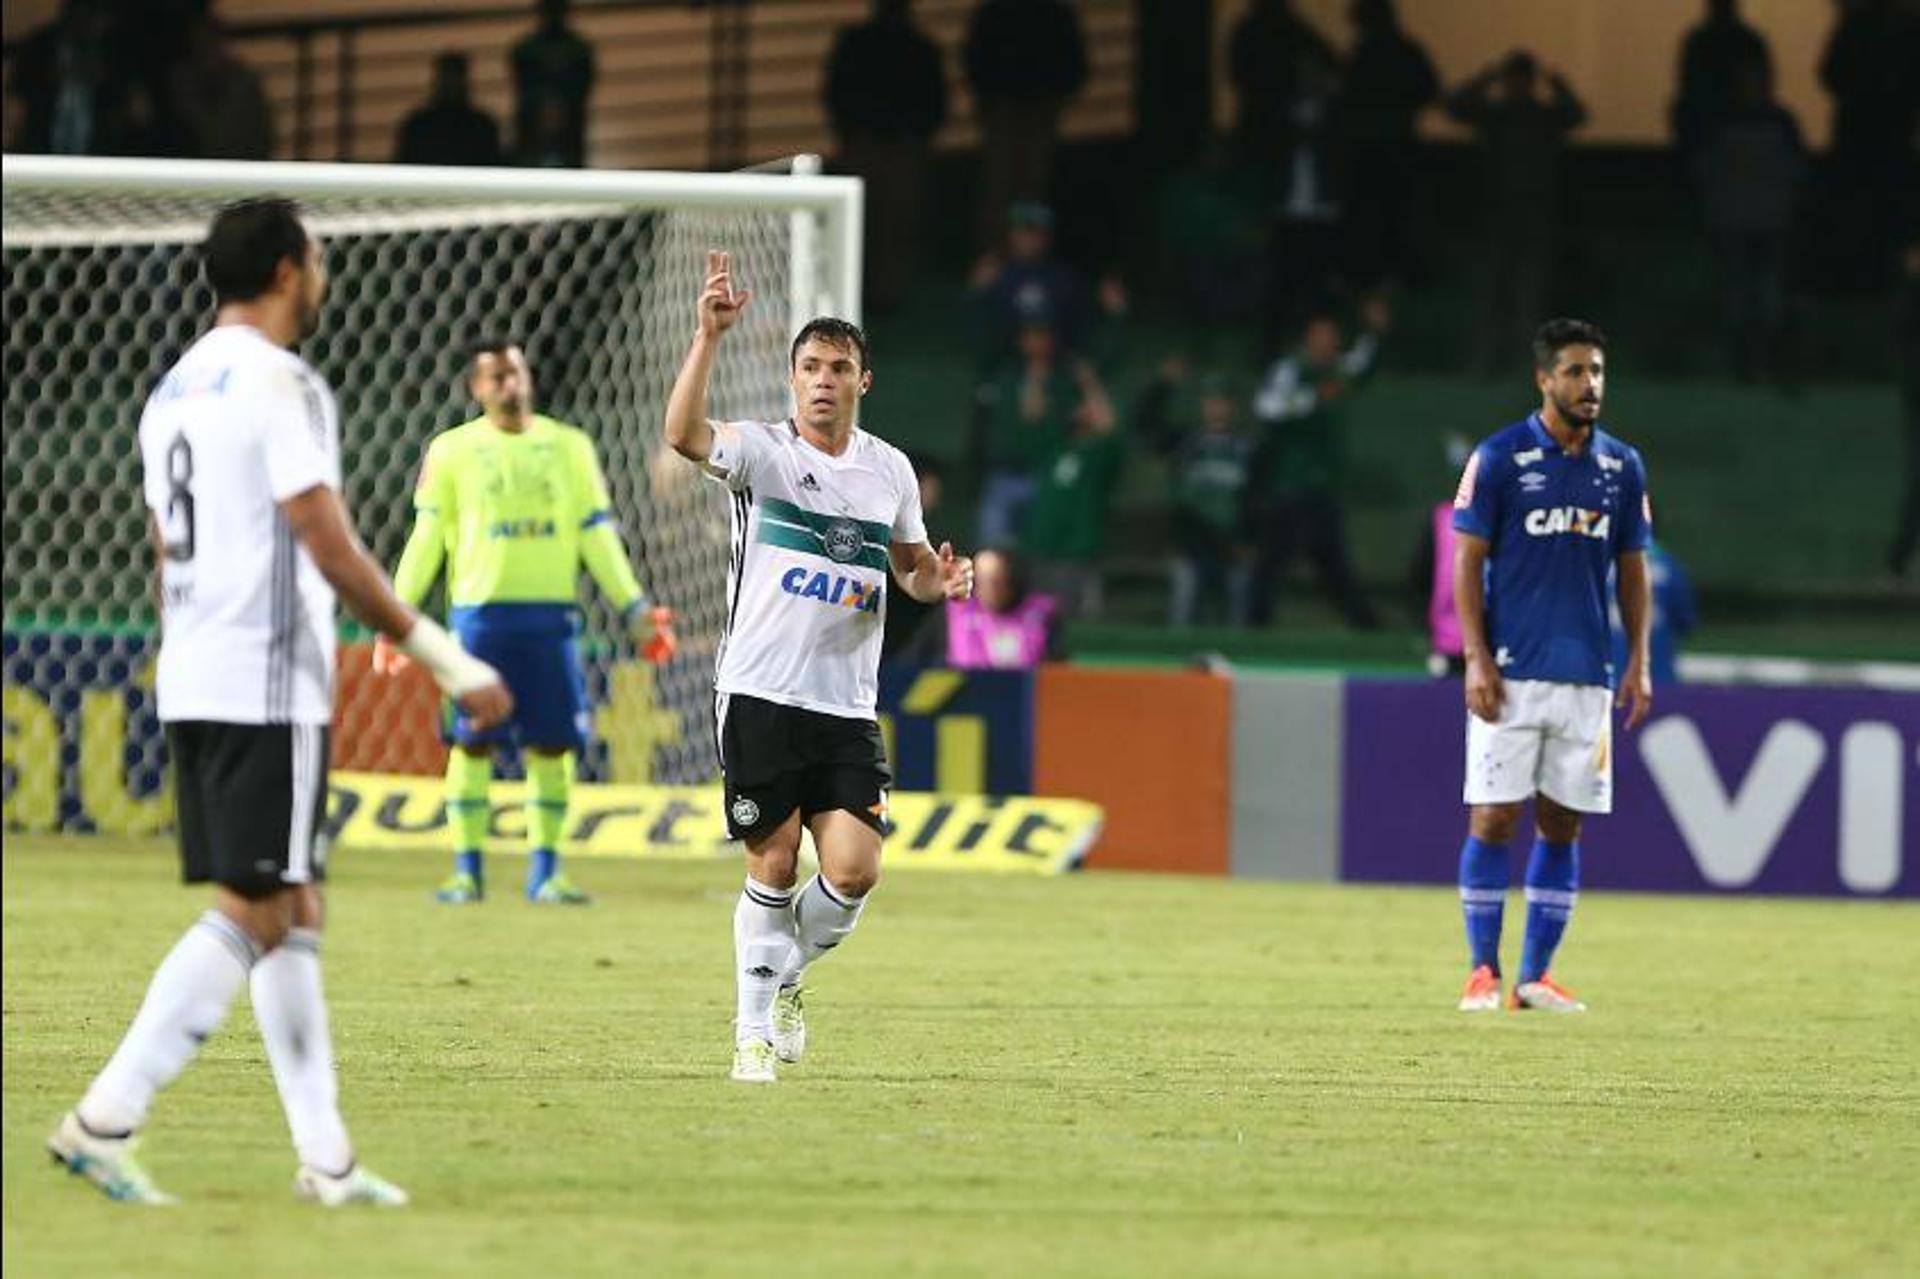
(536, 192)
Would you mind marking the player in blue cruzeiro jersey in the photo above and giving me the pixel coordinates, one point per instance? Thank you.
(1549, 511)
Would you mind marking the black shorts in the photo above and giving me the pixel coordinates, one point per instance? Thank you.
(249, 803)
(778, 759)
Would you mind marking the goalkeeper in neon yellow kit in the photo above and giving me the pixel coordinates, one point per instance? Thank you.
(513, 504)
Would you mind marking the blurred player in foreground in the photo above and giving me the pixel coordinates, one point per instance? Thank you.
(1548, 510)
(821, 512)
(513, 503)
(241, 449)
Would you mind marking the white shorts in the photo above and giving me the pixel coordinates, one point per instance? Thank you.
(1556, 739)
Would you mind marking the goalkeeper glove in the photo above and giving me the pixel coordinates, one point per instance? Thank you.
(651, 626)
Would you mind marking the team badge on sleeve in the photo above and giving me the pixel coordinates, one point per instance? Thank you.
(1463, 496)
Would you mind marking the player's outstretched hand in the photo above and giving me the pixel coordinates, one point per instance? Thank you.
(487, 705)
(388, 660)
(1485, 689)
(720, 305)
(1636, 694)
(956, 573)
(652, 630)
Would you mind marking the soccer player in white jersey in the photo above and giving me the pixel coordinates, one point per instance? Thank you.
(241, 450)
(1549, 509)
(822, 512)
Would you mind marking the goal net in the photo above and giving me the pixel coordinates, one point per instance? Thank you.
(595, 273)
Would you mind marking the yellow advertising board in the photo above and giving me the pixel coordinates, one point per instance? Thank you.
(1006, 834)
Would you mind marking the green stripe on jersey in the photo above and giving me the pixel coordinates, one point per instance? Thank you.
(805, 540)
(819, 522)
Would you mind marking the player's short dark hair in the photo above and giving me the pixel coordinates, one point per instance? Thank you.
(246, 245)
(834, 332)
(491, 344)
(1556, 335)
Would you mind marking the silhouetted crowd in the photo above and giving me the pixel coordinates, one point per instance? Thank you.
(1294, 225)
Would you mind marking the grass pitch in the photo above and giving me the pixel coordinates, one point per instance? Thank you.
(1099, 1075)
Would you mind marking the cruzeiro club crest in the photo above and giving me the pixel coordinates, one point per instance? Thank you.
(745, 812)
(844, 541)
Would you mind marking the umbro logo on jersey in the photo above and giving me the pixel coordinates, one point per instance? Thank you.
(1552, 521)
(809, 483)
(1533, 481)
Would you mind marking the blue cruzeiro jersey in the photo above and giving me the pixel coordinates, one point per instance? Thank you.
(1555, 524)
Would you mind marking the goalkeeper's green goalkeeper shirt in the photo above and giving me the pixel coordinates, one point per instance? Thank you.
(513, 515)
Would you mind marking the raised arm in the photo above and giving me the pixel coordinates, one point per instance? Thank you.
(689, 431)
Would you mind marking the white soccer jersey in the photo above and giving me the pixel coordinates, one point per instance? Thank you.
(236, 427)
(807, 577)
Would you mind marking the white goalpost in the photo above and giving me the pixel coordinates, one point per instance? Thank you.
(596, 272)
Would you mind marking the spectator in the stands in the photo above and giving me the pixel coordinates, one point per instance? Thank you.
(1006, 626)
(448, 128)
(1066, 526)
(1023, 410)
(1869, 68)
(1713, 58)
(1522, 114)
(1210, 244)
(1430, 573)
(1389, 81)
(218, 103)
(1027, 286)
(1675, 616)
(1301, 471)
(552, 80)
(906, 616)
(1210, 466)
(1749, 165)
(886, 94)
(1907, 530)
(70, 83)
(1307, 207)
(1264, 56)
(1025, 60)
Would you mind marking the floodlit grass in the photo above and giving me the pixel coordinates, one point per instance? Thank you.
(1100, 1075)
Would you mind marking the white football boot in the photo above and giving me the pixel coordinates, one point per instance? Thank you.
(789, 1025)
(108, 1162)
(358, 1186)
(753, 1062)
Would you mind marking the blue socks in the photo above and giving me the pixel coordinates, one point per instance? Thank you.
(541, 863)
(468, 863)
(1483, 898)
(1553, 878)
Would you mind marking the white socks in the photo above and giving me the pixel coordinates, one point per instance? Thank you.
(822, 919)
(186, 1002)
(776, 934)
(289, 1005)
(763, 949)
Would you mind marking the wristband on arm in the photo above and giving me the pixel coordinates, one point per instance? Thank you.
(455, 670)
